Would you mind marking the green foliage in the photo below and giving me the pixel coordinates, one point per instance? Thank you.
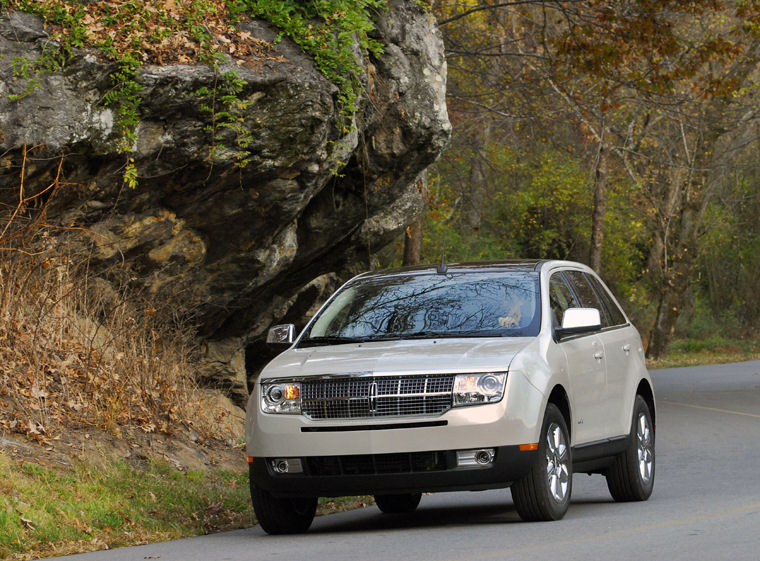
(227, 117)
(33, 71)
(326, 29)
(125, 97)
(130, 174)
(57, 13)
(549, 214)
(727, 274)
(115, 504)
(537, 206)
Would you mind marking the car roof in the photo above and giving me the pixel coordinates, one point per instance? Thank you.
(465, 267)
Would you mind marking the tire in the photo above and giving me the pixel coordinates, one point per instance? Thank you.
(397, 504)
(631, 476)
(544, 493)
(282, 516)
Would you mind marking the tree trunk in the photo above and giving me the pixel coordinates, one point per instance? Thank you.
(671, 301)
(600, 207)
(673, 261)
(413, 244)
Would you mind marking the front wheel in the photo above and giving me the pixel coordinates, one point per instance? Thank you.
(397, 504)
(631, 476)
(544, 493)
(282, 516)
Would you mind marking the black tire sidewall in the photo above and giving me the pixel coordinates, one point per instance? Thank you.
(531, 494)
(281, 515)
(557, 509)
(642, 489)
(397, 504)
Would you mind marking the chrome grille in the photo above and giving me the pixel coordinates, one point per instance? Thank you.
(376, 396)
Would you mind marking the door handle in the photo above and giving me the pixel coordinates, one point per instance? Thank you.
(599, 355)
(626, 348)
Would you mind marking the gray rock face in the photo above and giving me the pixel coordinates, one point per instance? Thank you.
(244, 247)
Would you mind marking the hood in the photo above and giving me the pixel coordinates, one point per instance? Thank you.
(385, 357)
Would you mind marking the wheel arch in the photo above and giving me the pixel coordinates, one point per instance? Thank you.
(645, 391)
(559, 397)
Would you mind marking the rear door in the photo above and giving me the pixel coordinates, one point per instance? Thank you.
(625, 357)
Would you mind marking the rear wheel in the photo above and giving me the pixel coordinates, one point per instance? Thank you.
(631, 477)
(544, 493)
(282, 516)
(396, 504)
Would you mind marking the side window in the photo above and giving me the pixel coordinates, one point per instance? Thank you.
(616, 315)
(560, 298)
(586, 295)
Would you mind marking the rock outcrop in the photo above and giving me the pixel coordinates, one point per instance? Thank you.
(237, 248)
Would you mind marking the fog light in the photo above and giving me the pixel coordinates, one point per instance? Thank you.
(286, 465)
(484, 457)
(480, 457)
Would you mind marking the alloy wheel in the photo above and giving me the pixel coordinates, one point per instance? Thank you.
(557, 469)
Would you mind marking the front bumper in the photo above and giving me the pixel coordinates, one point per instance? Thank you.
(515, 420)
(334, 476)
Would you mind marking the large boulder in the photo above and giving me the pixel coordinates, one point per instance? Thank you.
(236, 248)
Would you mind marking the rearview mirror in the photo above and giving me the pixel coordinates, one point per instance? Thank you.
(281, 336)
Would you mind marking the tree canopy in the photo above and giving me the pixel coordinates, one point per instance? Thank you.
(621, 134)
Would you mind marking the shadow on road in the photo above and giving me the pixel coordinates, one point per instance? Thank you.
(470, 514)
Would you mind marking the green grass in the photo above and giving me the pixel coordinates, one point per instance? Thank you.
(50, 512)
(46, 512)
(711, 350)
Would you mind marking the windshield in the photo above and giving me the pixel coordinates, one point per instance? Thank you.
(503, 304)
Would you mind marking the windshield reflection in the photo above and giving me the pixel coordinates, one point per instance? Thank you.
(504, 304)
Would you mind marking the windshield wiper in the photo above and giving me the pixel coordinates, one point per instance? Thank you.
(423, 335)
(328, 340)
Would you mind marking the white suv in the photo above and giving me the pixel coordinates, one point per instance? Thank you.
(459, 377)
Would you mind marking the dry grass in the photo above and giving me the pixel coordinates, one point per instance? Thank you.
(70, 353)
(75, 349)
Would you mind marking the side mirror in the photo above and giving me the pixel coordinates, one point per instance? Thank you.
(281, 336)
(579, 320)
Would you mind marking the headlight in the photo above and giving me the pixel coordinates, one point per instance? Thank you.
(281, 397)
(477, 389)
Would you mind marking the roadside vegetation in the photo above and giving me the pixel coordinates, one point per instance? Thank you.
(51, 511)
(48, 512)
(105, 439)
(712, 350)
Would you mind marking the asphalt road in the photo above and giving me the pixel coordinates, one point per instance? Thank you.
(705, 505)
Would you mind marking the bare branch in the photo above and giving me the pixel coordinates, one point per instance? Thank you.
(495, 6)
